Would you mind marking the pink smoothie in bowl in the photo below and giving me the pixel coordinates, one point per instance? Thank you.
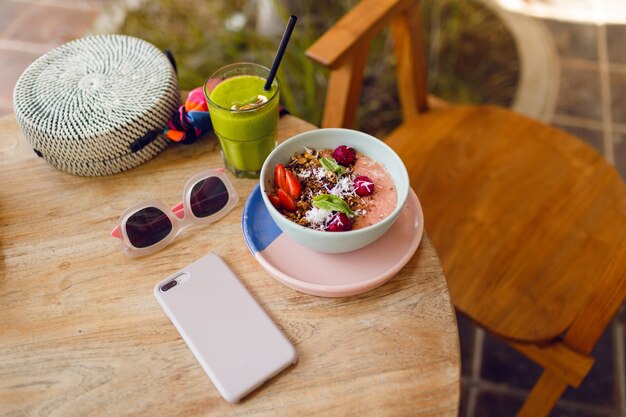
(333, 190)
(382, 202)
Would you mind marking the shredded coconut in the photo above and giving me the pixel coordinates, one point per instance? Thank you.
(319, 173)
(304, 174)
(318, 216)
(344, 187)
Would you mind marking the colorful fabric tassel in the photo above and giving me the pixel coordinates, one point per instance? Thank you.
(191, 121)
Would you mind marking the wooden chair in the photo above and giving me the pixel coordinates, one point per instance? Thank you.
(529, 221)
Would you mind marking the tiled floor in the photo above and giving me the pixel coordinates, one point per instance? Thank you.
(591, 104)
(592, 99)
(496, 379)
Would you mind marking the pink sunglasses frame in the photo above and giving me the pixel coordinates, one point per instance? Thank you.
(180, 215)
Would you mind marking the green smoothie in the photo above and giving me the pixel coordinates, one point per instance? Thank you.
(245, 118)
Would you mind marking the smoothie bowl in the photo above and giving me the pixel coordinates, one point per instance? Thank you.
(334, 190)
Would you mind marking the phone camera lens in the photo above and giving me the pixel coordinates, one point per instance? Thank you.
(169, 285)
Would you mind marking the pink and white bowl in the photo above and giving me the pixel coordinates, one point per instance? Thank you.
(373, 148)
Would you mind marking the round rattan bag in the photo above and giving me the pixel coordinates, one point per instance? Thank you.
(97, 105)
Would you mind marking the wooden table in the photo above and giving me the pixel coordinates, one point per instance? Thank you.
(82, 335)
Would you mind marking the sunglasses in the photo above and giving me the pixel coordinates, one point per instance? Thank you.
(149, 226)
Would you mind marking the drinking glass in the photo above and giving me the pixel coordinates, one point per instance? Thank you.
(244, 116)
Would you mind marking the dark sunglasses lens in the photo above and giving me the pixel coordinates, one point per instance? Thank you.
(208, 197)
(147, 227)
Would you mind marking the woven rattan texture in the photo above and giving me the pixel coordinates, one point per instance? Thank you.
(84, 103)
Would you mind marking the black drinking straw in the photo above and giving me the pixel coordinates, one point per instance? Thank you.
(281, 51)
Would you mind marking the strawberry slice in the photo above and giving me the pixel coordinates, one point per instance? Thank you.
(280, 180)
(292, 185)
(274, 200)
(286, 201)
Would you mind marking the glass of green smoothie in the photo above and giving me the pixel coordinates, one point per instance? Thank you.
(244, 116)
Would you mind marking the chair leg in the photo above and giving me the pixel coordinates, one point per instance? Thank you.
(543, 396)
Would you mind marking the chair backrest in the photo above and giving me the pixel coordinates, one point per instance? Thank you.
(344, 49)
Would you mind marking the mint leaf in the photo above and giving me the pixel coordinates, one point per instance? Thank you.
(331, 165)
(331, 203)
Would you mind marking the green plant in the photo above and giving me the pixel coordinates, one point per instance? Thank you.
(472, 57)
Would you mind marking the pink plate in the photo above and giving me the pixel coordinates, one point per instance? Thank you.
(326, 274)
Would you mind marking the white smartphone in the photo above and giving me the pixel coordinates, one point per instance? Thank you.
(235, 341)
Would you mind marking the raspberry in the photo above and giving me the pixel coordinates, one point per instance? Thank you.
(344, 155)
(339, 223)
(364, 186)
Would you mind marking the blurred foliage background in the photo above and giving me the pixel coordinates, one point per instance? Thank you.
(472, 57)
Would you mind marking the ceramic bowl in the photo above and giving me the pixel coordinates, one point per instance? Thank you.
(335, 242)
